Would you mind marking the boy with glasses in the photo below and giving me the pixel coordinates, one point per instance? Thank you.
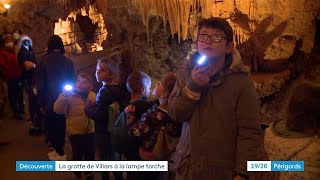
(220, 104)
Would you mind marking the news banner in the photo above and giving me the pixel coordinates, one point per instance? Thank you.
(142, 165)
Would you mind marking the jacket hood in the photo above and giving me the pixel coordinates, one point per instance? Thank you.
(291, 142)
(21, 39)
(237, 64)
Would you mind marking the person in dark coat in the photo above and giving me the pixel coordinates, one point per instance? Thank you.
(27, 61)
(54, 71)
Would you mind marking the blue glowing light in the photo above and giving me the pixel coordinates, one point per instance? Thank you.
(201, 60)
(68, 87)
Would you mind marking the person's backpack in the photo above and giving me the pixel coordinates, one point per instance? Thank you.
(113, 113)
(121, 141)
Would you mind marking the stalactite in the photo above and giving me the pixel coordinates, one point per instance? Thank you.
(175, 11)
(163, 13)
(249, 10)
(185, 13)
(177, 18)
(242, 37)
(238, 35)
(235, 35)
(170, 16)
(253, 9)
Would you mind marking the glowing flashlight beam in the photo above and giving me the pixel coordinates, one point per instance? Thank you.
(201, 60)
(7, 6)
(68, 87)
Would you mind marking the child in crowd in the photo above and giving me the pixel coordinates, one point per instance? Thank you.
(220, 102)
(80, 128)
(148, 127)
(107, 72)
(138, 84)
(297, 136)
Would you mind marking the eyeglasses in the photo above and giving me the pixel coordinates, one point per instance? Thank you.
(213, 37)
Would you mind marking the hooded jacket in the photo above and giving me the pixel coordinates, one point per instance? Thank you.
(24, 55)
(283, 145)
(73, 107)
(223, 120)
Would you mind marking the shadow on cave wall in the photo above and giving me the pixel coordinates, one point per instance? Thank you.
(253, 50)
(302, 67)
(317, 38)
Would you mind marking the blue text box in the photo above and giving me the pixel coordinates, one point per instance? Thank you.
(287, 165)
(35, 165)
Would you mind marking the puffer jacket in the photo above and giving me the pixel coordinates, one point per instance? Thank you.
(73, 107)
(9, 66)
(224, 123)
(283, 145)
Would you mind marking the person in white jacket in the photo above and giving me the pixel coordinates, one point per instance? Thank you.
(296, 137)
(80, 128)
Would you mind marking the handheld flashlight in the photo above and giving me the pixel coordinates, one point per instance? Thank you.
(202, 61)
(68, 87)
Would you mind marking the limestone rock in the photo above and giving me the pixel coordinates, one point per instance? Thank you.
(268, 84)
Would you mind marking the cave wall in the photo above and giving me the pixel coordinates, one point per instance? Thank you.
(266, 33)
(35, 18)
(272, 29)
(265, 30)
(159, 55)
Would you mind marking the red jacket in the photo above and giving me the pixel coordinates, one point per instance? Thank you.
(9, 66)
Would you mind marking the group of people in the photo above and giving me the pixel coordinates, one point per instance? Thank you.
(212, 110)
(88, 118)
(17, 64)
(187, 96)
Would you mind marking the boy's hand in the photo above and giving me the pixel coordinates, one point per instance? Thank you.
(66, 93)
(90, 102)
(130, 108)
(200, 76)
(29, 65)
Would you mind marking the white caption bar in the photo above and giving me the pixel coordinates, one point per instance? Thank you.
(111, 166)
(258, 165)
